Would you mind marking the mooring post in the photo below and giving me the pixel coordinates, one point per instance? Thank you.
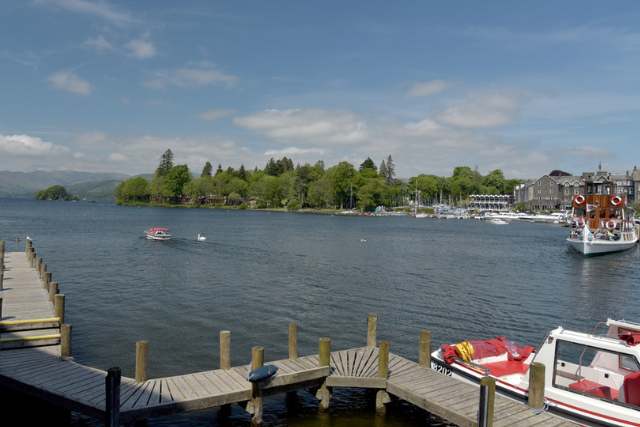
(1, 279)
(424, 360)
(58, 307)
(324, 356)
(43, 269)
(37, 266)
(47, 280)
(293, 352)
(257, 360)
(487, 398)
(372, 329)
(112, 405)
(293, 341)
(65, 339)
(225, 350)
(53, 290)
(383, 372)
(142, 352)
(536, 385)
(225, 363)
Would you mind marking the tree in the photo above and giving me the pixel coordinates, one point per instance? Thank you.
(206, 170)
(57, 192)
(175, 180)
(219, 170)
(342, 180)
(368, 164)
(391, 170)
(166, 163)
(383, 170)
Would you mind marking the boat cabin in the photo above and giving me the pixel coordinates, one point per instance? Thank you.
(603, 367)
(599, 207)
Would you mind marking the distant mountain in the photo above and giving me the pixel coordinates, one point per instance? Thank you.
(29, 183)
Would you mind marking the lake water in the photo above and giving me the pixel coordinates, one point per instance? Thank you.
(259, 271)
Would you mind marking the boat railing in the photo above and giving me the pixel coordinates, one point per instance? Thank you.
(473, 365)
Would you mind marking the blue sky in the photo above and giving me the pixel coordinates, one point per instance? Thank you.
(526, 87)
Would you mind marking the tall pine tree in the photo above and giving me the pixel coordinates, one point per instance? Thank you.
(391, 171)
(166, 163)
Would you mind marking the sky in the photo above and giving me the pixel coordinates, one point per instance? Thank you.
(524, 87)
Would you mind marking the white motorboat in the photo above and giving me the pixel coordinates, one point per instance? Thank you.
(157, 233)
(601, 221)
(498, 221)
(590, 379)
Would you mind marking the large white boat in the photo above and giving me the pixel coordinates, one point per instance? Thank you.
(157, 233)
(591, 379)
(601, 221)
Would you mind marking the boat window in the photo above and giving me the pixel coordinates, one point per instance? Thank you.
(592, 371)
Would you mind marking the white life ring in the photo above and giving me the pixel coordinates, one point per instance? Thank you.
(580, 222)
(616, 200)
(579, 199)
(611, 224)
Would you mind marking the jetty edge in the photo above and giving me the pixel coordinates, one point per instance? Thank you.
(36, 359)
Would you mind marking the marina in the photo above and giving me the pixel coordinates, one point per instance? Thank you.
(46, 369)
(179, 295)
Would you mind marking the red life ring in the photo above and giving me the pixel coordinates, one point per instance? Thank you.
(579, 199)
(611, 224)
(580, 222)
(616, 200)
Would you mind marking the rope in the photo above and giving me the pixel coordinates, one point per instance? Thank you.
(545, 407)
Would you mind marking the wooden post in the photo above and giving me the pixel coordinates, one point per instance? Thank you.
(324, 356)
(225, 350)
(142, 351)
(293, 341)
(112, 404)
(383, 372)
(487, 398)
(58, 307)
(43, 269)
(372, 329)
(37, 266)
(53, 290)
(47, 279)
(536, 385)
(257, 360)
(0, 308)
(425, 349)
(65, 340)
(1, 279)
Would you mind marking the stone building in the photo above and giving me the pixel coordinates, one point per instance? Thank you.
(556, 192)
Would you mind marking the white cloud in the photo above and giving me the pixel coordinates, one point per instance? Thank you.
(197, 75)
(66, 80)
(25, 145)
(98, 8)
(141, 49)
(307, 126)
(99, 44)
(212, 115)
(485, 110)
(428, 88)
(292, 151)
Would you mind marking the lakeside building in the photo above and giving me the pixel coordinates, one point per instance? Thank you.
(556, 191)
(490, 202)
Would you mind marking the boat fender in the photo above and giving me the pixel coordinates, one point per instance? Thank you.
(611, 225)
(579, 199)
(464, 350)
(616, 200)
(262, 372)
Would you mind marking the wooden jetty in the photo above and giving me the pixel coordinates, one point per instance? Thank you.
(35, 358)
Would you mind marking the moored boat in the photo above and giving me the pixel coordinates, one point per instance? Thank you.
(590, 378)
(155, 233)
(601, 220)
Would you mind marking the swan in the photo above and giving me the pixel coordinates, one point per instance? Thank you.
(201, 237)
